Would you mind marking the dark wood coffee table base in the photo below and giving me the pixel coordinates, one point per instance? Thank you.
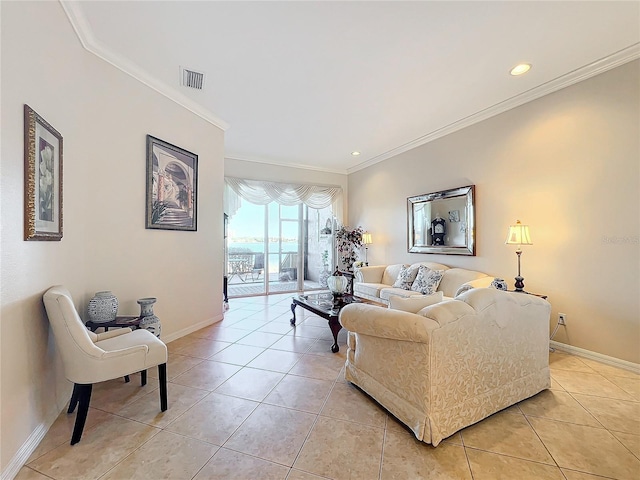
(316, 304)
(334, 324)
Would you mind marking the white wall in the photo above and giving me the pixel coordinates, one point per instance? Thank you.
(104, 116)
(566, 164)
(278, 173)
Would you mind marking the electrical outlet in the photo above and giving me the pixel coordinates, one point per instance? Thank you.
(562, 319)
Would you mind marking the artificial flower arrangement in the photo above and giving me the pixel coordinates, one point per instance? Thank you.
(347, 242)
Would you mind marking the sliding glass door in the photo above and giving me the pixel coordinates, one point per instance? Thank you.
(285, 247)
(246, 251)
(277, 249)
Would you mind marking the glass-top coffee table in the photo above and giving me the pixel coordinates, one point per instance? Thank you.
(322, 305)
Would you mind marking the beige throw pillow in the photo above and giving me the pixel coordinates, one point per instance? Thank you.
(414, 304)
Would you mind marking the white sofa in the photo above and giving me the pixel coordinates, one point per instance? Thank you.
(376, 282)
(455, 363)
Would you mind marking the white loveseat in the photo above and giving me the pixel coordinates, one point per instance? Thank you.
(455, 363)
(376, 282)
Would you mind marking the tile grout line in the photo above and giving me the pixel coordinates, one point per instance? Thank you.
(555, 461)
(384, 442)
(317, 415)
(123, 459)
(315, 421)
(466, 454)
(603, 426)
(262, 402)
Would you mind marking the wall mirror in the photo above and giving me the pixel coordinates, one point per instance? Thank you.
(442, 222)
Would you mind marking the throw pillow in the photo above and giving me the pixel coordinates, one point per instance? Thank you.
(405, 278)
(413, 304)
(465, 287)
(427, 280)
(499, 283)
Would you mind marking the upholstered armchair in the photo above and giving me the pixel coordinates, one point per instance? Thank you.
(90, 358)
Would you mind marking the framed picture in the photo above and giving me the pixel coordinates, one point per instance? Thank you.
(172, 187)
(42, 178)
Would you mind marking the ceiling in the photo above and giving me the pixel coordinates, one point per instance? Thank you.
(307, 83)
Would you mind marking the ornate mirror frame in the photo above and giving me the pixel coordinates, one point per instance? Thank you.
(442, 222)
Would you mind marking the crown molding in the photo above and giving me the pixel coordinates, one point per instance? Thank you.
(576, 76)
(84, 33)
(287, 165)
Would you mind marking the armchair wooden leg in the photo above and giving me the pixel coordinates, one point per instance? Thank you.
(162, 374)
(84, 397)
(143, 378)
(74, 399)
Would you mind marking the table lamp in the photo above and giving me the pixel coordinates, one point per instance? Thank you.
(337, 284)
(519, 235)
(366, 240)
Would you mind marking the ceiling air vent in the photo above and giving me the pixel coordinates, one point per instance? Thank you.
(191, 78)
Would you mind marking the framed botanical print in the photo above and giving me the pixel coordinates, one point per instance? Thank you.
(172, 187)
(42, 178)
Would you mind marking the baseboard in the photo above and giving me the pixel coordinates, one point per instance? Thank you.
(27, 448)
(599, 357)
(192, 328)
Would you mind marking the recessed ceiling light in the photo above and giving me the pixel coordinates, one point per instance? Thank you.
(355, 154)
(520, 69)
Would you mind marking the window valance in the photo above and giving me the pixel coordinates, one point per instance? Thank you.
(262, 192)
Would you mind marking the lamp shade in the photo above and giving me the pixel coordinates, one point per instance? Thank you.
(366, 238)
(518, 235)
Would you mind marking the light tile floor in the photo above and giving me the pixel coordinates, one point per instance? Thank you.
(253, 398)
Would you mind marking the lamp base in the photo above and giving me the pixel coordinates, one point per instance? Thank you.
(337, 300)
(519, 284)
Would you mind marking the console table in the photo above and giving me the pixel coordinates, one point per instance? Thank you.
(544, 297)
(131, 321)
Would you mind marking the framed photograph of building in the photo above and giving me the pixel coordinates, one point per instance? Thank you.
(42, 178)
(172, 187)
